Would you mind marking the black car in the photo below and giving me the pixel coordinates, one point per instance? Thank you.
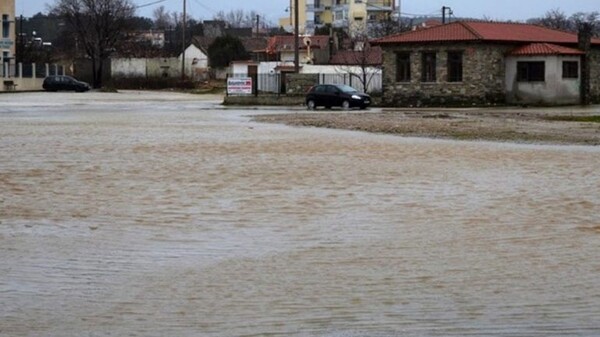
(64, 83)
(329, 95)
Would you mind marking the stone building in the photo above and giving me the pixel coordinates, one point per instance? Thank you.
(467, 62)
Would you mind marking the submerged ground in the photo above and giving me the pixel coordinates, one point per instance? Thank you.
(162, 214)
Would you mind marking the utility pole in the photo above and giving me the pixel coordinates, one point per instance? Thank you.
(183, 43)
(257, 25)
(444, 9)
(399, 10)
(296, 39)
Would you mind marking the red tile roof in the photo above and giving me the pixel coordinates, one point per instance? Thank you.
(286, 43)
(484, 31)
(536, 49)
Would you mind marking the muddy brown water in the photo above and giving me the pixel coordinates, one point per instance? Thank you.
(156, 214)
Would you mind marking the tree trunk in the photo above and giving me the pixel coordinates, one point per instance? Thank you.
(98, 83)
(94, 79)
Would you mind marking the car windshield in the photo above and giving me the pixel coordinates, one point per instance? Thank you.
(346, 88)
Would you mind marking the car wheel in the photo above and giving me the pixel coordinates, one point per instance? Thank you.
(346, 105)
(311, 105)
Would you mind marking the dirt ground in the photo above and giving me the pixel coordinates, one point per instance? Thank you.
(521, 125)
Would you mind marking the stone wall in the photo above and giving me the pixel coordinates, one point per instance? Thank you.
(483, 76)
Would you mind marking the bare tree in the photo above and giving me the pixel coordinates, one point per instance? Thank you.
(589, 21)
(362, 62)
(98, 25)
(162, 18)
(556, 19)
(241, 19)
(389, 26)
(234, 18)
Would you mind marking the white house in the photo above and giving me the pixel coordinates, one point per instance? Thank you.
(196, 62)
(543, 73)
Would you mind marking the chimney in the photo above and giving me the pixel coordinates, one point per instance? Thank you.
(585, 41)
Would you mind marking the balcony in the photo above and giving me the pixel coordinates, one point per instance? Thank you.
(316, 8)
(380, 6)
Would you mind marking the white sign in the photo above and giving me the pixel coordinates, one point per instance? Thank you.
(239, 86)
(5, 43)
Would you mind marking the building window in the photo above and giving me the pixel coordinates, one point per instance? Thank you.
(403, 67)
(339, 15)
(455, 66)
(531, 71)
(570, 69)
(428, 64)
(5, 27)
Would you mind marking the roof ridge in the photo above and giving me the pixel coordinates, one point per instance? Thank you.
(552, 47)
(471, 29)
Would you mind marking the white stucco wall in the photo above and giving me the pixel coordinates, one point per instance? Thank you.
(554, 90)
(239, 69)
(196, 62)
(128, 67)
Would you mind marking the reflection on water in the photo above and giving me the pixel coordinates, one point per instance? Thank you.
(168, 220)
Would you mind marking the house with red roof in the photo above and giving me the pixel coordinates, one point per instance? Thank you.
(468, 62)
(312, 49)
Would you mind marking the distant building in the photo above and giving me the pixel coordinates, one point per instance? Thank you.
(155, 38)
(312, 49)
(7, 35)
(214, 28)
(354, 15)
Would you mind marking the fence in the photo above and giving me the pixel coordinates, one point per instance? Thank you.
(11, 70)
(275, 83)
(373, 81)
(23, 77)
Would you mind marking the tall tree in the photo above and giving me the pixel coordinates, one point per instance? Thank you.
(98, 25)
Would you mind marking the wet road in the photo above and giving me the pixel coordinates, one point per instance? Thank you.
(160, 214)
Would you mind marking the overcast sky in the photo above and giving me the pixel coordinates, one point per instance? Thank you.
(273, 9)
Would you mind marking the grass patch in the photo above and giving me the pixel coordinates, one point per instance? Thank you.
(588, 119)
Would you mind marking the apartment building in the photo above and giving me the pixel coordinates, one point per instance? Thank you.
(7, 34)
(354, 15)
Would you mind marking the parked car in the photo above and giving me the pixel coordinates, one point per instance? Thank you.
(329, 95)
(64, 83)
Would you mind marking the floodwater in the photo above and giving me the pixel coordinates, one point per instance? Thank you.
(157, 214)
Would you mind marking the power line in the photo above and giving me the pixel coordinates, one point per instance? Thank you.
(150, 4)
(205, 7)
(421, 15)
